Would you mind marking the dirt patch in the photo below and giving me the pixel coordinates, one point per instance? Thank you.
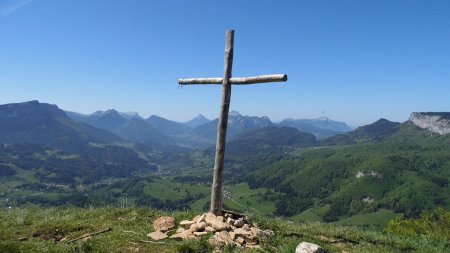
(54, 235)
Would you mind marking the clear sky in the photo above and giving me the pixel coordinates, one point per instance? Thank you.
(354, 61)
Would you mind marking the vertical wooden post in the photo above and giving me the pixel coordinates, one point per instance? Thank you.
(216, 193)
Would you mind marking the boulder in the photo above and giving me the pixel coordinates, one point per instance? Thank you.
(164, 223)
(157, 235)
(307, 247)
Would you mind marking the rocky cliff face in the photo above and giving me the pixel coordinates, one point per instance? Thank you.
(437, 122)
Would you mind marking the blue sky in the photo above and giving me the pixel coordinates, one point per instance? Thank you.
(354, 61)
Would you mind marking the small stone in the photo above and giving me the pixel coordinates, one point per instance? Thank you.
(187, 234)
(240, 240)
(227, 215)
(164, 223)
(246, 227)
(225, 237)
(219, 226)
(202, 218)
(216, 222)
(307, 247)
(242, 231)
(186, 222)
(238, 223)
(232, 235)
(196, 218)
(230, 220)
(200, 233)
(198, 226)
(180, 230)
(210, 229)
(210, 217)
(157, 235)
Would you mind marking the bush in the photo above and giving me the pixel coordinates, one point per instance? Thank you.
(435, 223)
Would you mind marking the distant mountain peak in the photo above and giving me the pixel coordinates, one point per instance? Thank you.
(31, 102)
(234, 114)
(107, 112)
(28, 108)
(321, 127)
(197, 121)
(45, 124)
(437, 122)
(130, 115)
(200, 116)
(166, 126)
(378, 130)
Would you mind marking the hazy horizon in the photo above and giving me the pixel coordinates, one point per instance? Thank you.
(187, 117)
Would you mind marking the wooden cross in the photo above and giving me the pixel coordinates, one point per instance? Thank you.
(226, 81)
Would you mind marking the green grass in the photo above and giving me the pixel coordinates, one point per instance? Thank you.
(245, 199)
(198, 205)
(378, 219)
(43, 226)
(168, 190)
(314, 214)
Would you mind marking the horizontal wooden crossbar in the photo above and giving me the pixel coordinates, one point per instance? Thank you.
(235, 80)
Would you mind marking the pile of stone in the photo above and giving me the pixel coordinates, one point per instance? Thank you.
(229, 229)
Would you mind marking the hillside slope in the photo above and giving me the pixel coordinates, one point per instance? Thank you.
(407, 172)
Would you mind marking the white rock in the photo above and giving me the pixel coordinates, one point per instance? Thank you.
(307, 247)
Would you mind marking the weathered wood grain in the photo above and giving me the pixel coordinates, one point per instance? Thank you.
(235, 80)
(216, 194)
